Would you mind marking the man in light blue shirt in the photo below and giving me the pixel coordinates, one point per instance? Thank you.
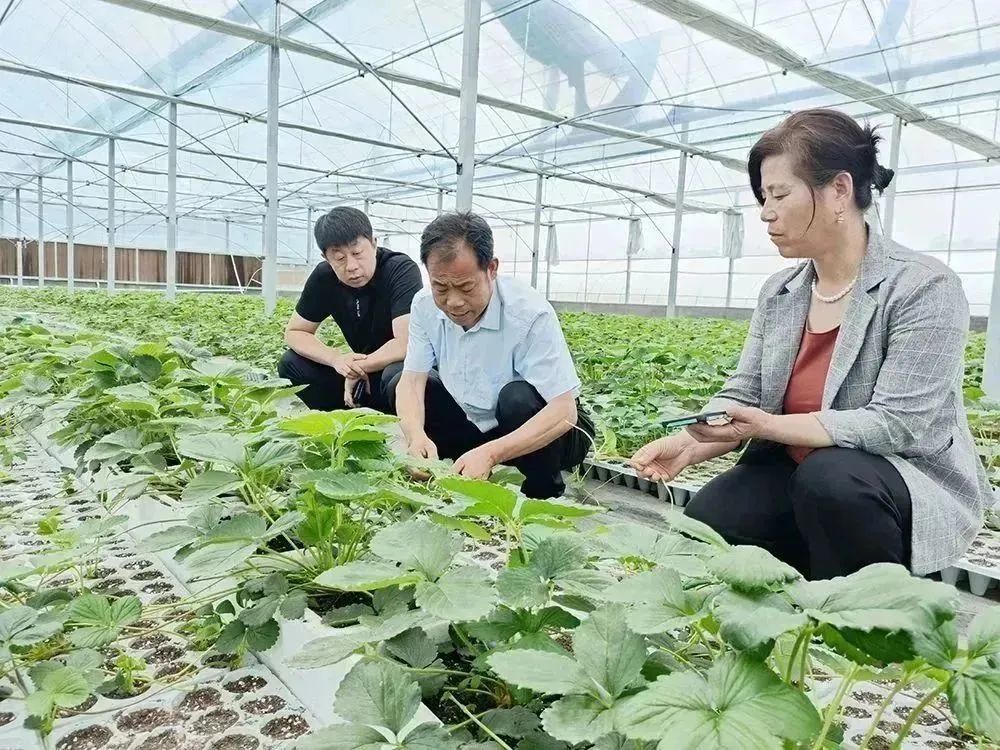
(487, 377)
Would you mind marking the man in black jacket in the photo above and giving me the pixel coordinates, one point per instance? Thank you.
(367, 290)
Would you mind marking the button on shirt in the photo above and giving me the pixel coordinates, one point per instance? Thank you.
(517, 338)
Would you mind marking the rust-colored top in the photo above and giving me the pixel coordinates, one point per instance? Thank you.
(804, 393)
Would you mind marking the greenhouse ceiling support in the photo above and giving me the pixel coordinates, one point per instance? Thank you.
(991, 363)
(70, 230)
(675, 249)
(309, 235)
(467, 106)
(41, 235)
(171, 204)
(537, 237)
(389, 74)
(753, 42)
(111, 261)
(269, 273)
(890, 193)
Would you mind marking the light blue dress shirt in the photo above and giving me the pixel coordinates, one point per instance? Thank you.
(518, 338)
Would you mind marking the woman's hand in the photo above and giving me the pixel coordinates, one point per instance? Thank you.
(745, 422)
(663, 459)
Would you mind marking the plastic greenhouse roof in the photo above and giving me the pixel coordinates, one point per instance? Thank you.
(625, 76)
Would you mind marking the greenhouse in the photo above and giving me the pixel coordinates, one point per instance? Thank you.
(659, 407)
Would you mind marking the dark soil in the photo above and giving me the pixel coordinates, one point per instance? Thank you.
(171, 739)
(77, 710)
(167, 599)
(157, 587)
(143, 624)
(147, 575)
(138, 565)
(215, 722)
(172, 669)
(118, 695)
(200, 699)
(93, 737)
(285, 727)
(865, 696)
(164, 654)
(152, 640)
(219, 661)
(6, 717)
(269, 704)
(244, 685)
(236, 742)
(145, 719)
(102, 573)
(108, 584)
(323, 604)
(878, 742)
(926, 719)
(857, 713)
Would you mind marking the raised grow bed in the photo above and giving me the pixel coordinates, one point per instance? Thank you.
(299, 580)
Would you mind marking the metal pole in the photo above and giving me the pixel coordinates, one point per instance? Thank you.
(467, 105)
(628, 278)
(368, 205)
(675, 250)
(309, 234)
(440, 202)
(548, 267)
(890, 193)
(171, 204)
(112, 264)
(226, 246)
(991, 367)
(729, 283)
(70, 230)
(270, 271)
(536, 242)
(41, 235)
(19, 244)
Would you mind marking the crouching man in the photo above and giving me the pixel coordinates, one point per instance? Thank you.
(367, 290)
(488, 378)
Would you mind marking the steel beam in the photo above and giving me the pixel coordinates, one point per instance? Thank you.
(269, 273)
(70, 229)
(675, 250)
(41, 235)
(111, 261)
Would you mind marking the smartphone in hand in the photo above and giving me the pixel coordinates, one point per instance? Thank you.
(710, 418)
(359, 393)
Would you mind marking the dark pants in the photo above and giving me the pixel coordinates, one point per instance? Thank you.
(836, 512)
(447, 425)
(324, 389)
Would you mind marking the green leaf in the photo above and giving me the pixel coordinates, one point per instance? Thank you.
(343, 737)
(22, 626)
(413, 647)
(975, 698)
(751, 569)
(228, 545)
(939, 646)
(149, 367)
(540, 671)
(65, 687)
(209, 485)
(697, 530)
(429, 737)
(516, 722)
(293, 607)
(116, 445)
(262, 637)
(608, 651)
(317, 423)
(460, 595)
(659, 601)
(213, 447)
(102, 619)
(489, 499)
(558, 555)
(274, 453)
(418, 544)
(321, 652)
(522, 588)
(578, 718)
(538, 509)
(461, 524)
(237, 636)
(751, 620)
(740, 704)
(378, 694)
(347, 615)
(260, 612)
(341, 486)
(365, 576)
(170, 538)
(984, 633)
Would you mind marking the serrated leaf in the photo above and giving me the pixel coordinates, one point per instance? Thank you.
(697, 530)
(363, 575)
(461, 524)
(65, 686)
(347, 614)
(213, 447)
(378, 694)
(747, 621)
(559, 554)
(541, 671)
(260, 612)
(984, 633)
(343, 737)
(608, 651)
(331, 649)
(938, 646)
(413, 647)
(538, 509)
(418, 544)
(209, 485)
(660, 602)
(293, 606)
(318, 423)
(460, 595)
(522, 588)
(975, 698)
(516, 722)
(429, 737)
(102, 619)
(751, 569)
(274, 453)
(237, 635)
(170, 538)
(342, 486)
(578, 718)
(739, 704)
(488, 499)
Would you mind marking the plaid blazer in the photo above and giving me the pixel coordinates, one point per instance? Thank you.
(894, 387)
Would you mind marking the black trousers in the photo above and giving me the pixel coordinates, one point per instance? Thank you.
(325, 386)
(836, 512)
(447, 425)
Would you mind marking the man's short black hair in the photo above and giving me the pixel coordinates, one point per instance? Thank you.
(447, 230)
(340, 227)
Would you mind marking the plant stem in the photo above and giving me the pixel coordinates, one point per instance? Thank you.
(834, 708)
(900, 684)
(915, 714)
(489, 732)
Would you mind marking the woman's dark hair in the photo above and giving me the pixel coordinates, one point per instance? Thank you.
(447, 230)
(340, 227)
(823, 143)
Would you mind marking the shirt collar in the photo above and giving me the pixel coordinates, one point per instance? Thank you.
(491, 317)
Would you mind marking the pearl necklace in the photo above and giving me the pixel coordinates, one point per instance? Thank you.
(836, 297)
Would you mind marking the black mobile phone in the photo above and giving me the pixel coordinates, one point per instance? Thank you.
(359, 392)
(705, 418)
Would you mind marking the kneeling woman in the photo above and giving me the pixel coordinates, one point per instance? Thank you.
(850, 382)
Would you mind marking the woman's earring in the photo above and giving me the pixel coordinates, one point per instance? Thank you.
(840, 215)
